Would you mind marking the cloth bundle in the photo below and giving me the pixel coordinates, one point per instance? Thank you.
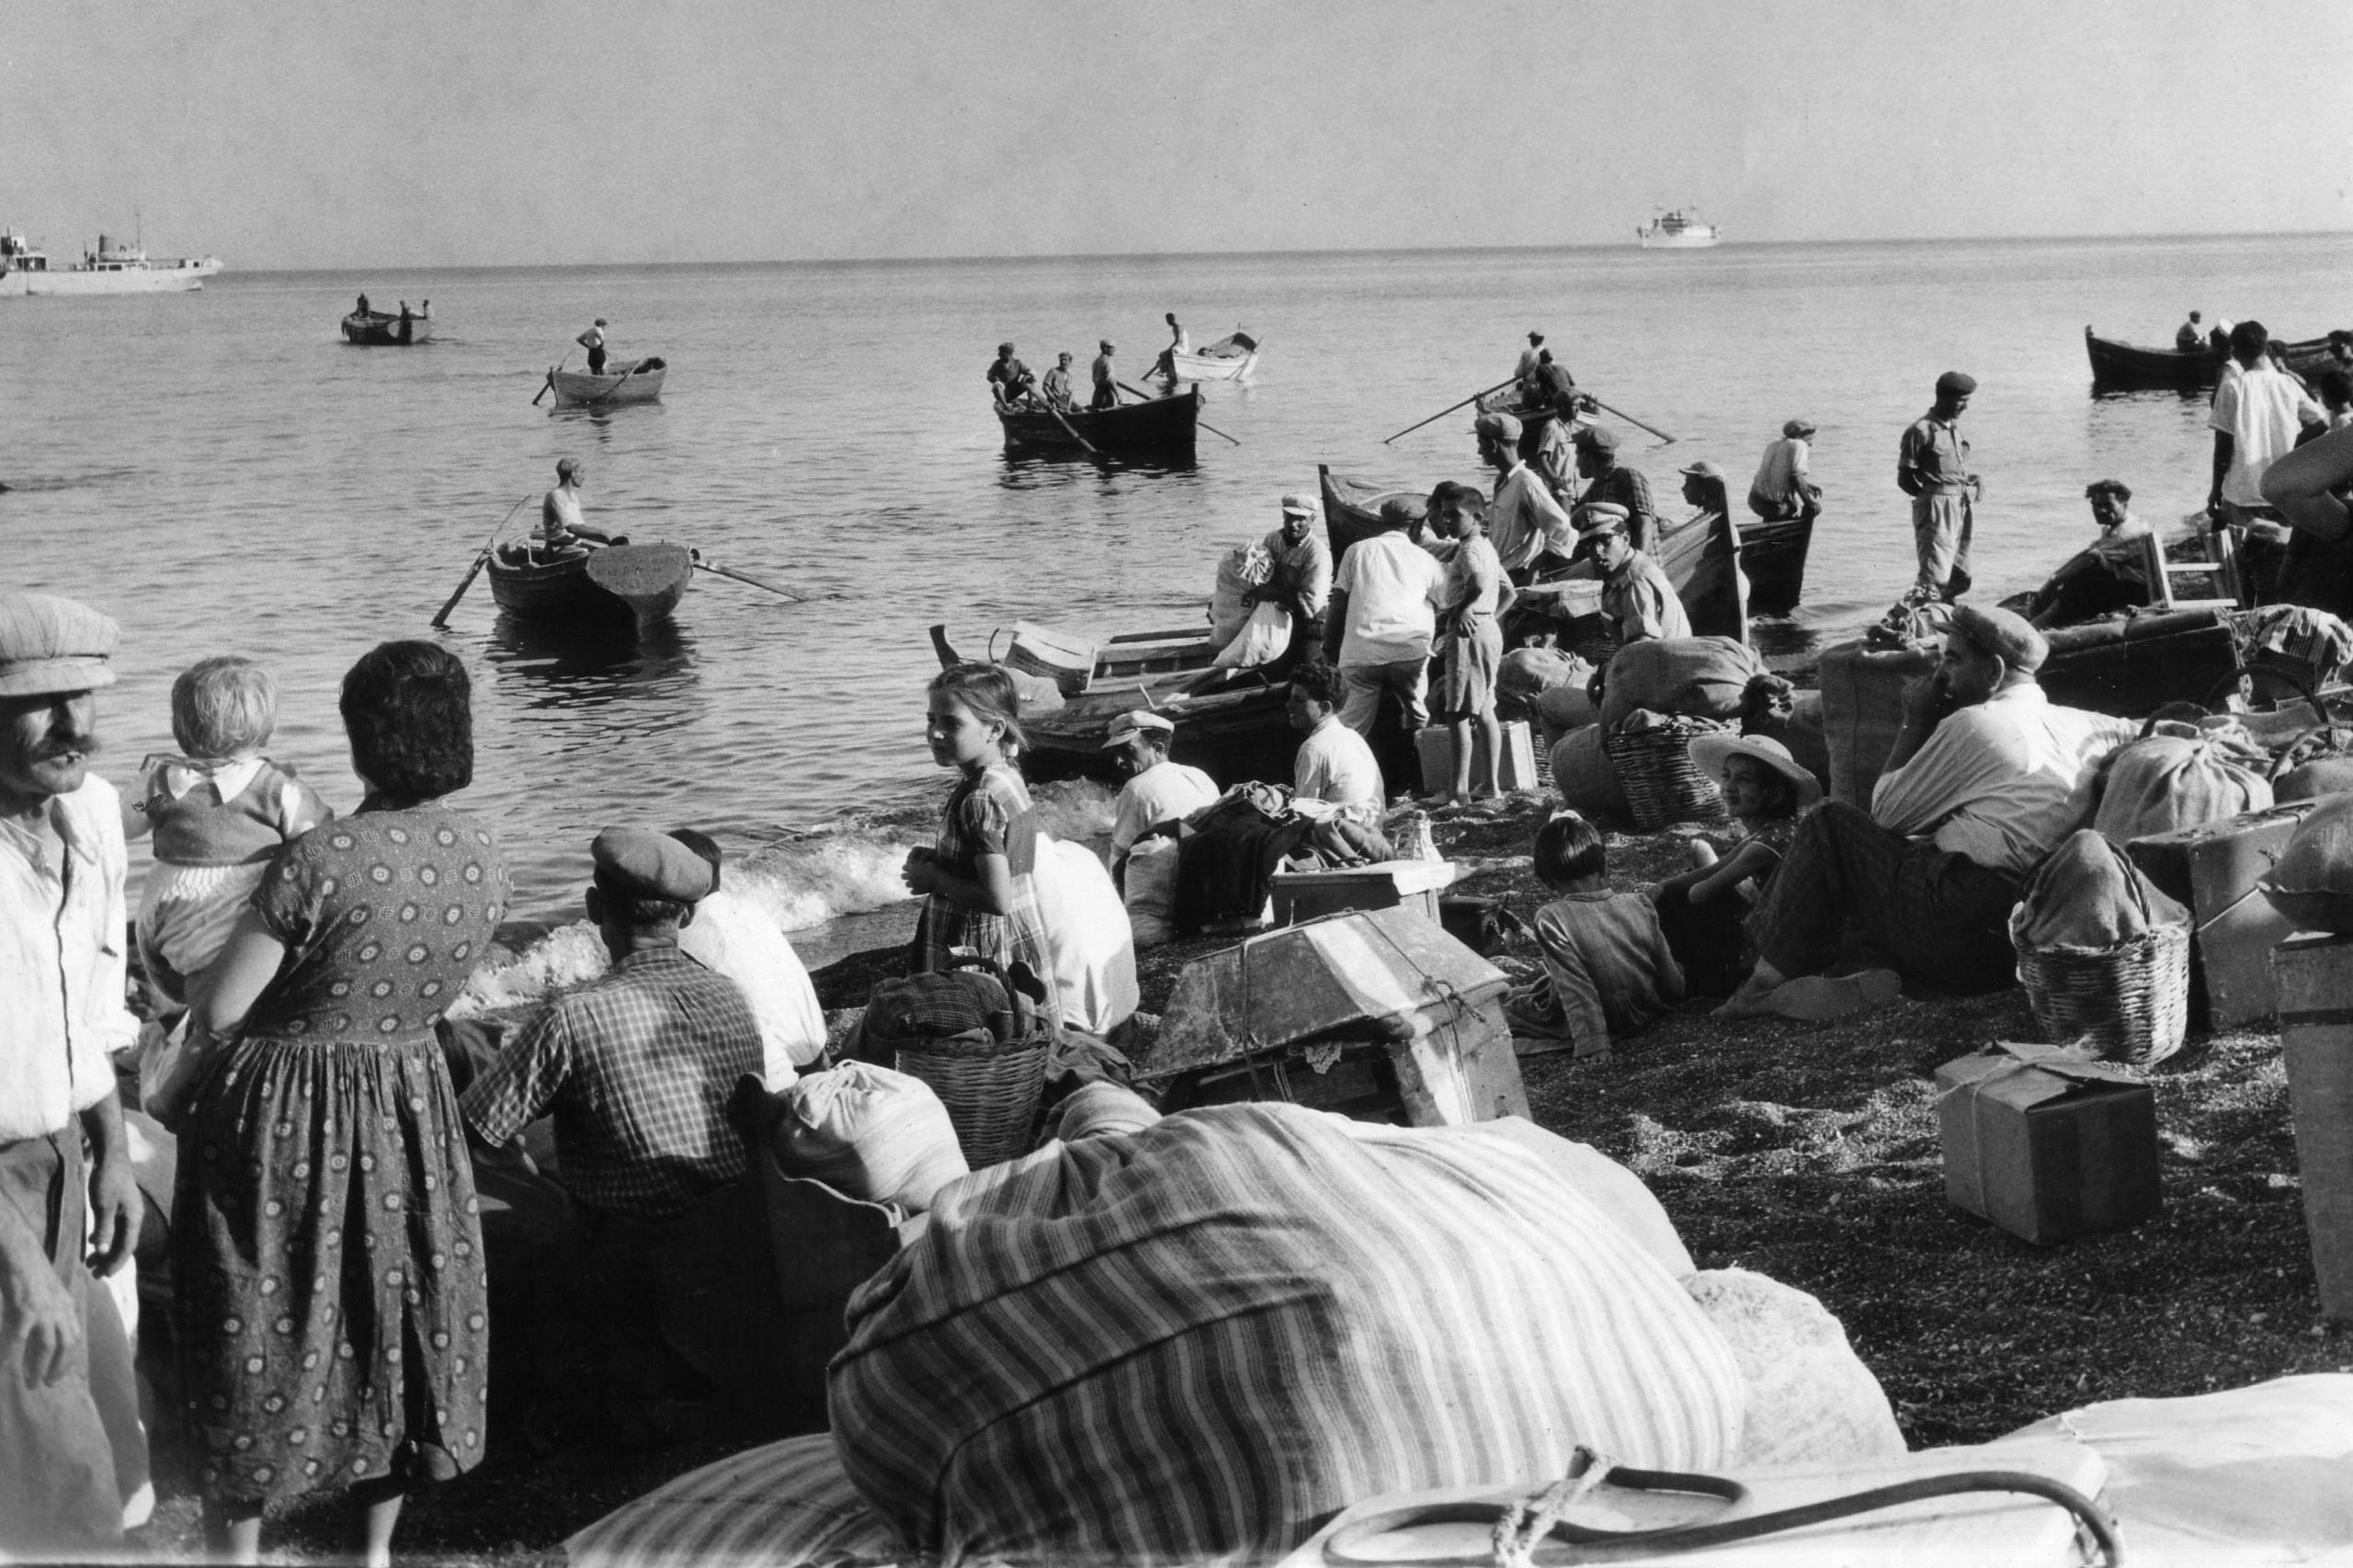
(2086, 894)
(1585, 776)
(2181, 777)
(1548, 686)
(1225, 866)
(2311, 640)
(1087, 934)
(1239, 570)
(1150, 895)
(870, 1133)
(1703, 678)
(1262, 639)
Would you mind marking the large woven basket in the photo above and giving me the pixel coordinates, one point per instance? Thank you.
(990, 1087)
(1662, 784)
(2132, 1000)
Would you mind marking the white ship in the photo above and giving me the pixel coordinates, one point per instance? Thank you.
(1676, 231)
(112, 269)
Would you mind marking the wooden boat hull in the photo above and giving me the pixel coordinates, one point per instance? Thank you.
(2125, 366)
(623, 583)
(379, 329)
(1772, 557)
(1232, 735)
(1164, 425)
(578, 389)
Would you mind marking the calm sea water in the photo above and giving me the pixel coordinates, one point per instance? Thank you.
(220, 472)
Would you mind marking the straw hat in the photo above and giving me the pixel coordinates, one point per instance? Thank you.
(1711, 750)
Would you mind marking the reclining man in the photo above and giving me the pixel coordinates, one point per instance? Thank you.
(1986, 776)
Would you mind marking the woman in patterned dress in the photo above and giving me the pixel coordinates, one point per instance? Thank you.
(981, 893)
(331, 1300)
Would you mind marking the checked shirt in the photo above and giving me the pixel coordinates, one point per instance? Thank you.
(637, 1068)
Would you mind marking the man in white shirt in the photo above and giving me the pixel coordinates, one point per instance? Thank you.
(1383, 615)
(559, 511)
(2256, 417)
(1987, 776)
(733, 935)
(1300, 580)
(1783, 490)
(1158, 789)
(1333, 762)
(71, 1450)
(1524, 522)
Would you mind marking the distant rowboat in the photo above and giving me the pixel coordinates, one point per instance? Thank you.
(386, 329)
(1230, 358)
(625, 380)
(614, 583)
(2126, 366)
(1164, 425)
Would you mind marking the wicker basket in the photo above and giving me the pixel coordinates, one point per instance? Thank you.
(1662, 784)
(2131, 1000)
(990, 1087)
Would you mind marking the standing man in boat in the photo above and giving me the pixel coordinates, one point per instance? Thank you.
(1525, 376)
(1107, 391)
(1057, 386)
(1783, 491)
(1009, 378)
(2191, 338)
(1525, 523)
(593, 340)
(1177, 344)
(1609, 481)
(560, 512)
(1932, 466)
(407, 321)
(362, 311)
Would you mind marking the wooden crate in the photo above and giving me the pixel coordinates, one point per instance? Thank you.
(2315, 981)
(2213, 870)
(1385, 885)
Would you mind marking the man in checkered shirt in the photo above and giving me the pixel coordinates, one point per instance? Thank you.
(636, 1067)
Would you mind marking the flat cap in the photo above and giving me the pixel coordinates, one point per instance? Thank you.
(1403, 511)
(1600, 437)
(1535, 337)
(640, 863)
(1105, 345)
(1800, 428)
(51, 645)
(1954, 382)
(1298, 505)
(1498, 426)
(1136, 722)
(1704, 469)
(2000, 632)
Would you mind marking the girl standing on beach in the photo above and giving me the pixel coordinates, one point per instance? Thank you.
(977, 878)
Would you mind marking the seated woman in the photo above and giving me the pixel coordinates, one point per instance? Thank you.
(1703, 910)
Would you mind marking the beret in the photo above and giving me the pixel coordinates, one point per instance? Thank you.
(51, 645)
(1999, 632)
(640, 863)
(1600, 437)
(1954, 382)
(1501, 426)
(1135, 723)
(1801, 428)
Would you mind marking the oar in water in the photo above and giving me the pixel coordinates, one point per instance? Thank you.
(597, 536)
(481, 561)
(549, 385)
(1449, 409)
(616, 386)
(1147, 397)
(1634, 422)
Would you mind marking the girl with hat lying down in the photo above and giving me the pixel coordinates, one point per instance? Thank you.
(1703, 910)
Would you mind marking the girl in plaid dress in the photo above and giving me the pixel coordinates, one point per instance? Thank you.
(977, 882)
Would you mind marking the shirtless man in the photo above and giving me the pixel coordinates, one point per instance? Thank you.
(560, 512)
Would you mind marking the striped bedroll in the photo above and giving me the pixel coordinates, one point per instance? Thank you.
(1194, 1342)
(782, 1505)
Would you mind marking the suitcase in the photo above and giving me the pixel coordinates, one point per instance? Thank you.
(2214, 870)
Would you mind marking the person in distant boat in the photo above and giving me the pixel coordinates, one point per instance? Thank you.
(407, 321)
(1009, 381)
(2191, 338)
(2340, 350)
(363, 306)
(1932, 466)
(560, 513)
(1609, 480)
(1555, 388)
(1525, 376)
(1107, 391)
(1783, 490)
(1057, 386)
(2112, 575)
(425, 312)
(1637, 598)
(593, 340)
(1177, 344)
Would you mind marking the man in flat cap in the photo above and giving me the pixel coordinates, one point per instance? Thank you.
(1384, 618)
(1106, 387)
(1300, 580)
(1932, 466)
(1607, 479)
(1637, 599)
(1009, 378)
(1158, 789)
(70, 1449)
(1986, 776)
(1525, 523)
(1784, 489)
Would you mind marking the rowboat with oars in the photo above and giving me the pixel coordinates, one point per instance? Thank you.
(386, 329)
(624, 380)
(609, 586)
(2127, 366)
(1230, 358)
(1160, 427)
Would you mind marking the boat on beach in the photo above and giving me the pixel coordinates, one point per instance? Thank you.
(624, 380)
(110, 269)
(386, 329)
(2127, 367)
(1158, 426)
(1676, 230)
(611, 586)
(1230, 358)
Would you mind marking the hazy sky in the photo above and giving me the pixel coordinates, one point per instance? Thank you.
(283, 133)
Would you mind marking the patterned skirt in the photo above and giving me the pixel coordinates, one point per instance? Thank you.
(331, 1295)
(946, 925)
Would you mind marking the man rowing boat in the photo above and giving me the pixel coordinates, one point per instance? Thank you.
(560, 513)
(1057, 386)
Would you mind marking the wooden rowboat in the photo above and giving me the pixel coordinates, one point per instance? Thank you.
(1164, 426)
(1772, 557)
(2126, 366)
(616, 584)
(625, 380)
(385, 329)
(1230, 358)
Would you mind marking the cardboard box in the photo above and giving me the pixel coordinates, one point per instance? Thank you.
(2213, 870)
(2315, 978)
(2045, 1146)
(1384, 884)
(1517, 771)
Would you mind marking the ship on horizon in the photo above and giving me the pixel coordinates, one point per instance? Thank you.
(1676, 230)
(111, 268)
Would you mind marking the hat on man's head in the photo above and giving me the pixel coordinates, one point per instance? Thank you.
(1957, 384)
(2009, 636)
(50, 646)
(1141, 720)
(1403, 511)
(1711, 750)
(601, 321)
(1105, 345)
(2100, 487)
(702, 844)
(1497, 426)
(1600, 437)
(1298, 505)
(1595, 518)
(1535, 337)
(636, 862)
(1704, 469)
(1801, 429)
